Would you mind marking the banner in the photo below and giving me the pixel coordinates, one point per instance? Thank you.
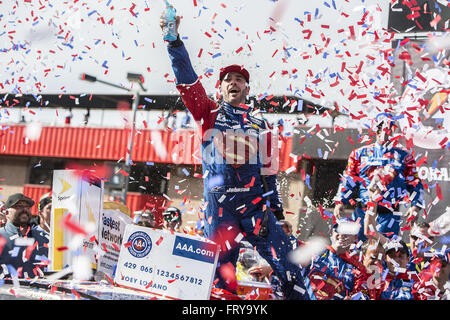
(77, 200)
(111, 228)
(172, 265)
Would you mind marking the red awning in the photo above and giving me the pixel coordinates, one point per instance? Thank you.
(111, 144)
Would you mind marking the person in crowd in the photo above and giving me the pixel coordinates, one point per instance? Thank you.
(434, 280)
(332, 275)
(420, 245)
(172, 219)
(146, 219)
(42, 223)
(22, 242)
(396, 281)
(44, 215)
(368, 283)
(387, 167)
(243, 176)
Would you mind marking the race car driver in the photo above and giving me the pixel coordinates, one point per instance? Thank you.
(239, 172)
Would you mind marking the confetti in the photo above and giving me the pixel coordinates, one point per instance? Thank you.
(303, 254)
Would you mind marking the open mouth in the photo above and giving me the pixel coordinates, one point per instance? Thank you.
(234, 91)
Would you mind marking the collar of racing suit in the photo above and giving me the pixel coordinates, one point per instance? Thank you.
(241, 109)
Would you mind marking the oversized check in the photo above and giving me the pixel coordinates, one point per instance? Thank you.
(173, 265)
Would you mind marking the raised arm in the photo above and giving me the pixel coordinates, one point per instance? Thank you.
(188, 84)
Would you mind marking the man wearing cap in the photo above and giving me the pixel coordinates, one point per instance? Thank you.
(384, 167)
(239, 170)
(23, 243)
(44, 215)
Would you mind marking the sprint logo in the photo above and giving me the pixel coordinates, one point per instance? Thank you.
(65, 186)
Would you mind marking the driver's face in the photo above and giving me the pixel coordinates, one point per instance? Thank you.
(234, 88)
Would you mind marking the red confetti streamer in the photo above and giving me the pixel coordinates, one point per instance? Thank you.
(72, 226)
(256, 200)
(422, 78)
(128, 244)
(421, 161)
(352, 32)
(76, 294)
(438, 191)
(404, 41)
(309, 32)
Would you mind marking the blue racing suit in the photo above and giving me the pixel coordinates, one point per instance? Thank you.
(233, 161)
(397, 288)
(402, 180)
(331, 276)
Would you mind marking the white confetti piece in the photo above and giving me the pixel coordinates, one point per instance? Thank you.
(348, 227)
(33, 131)
(81, 268)
(158, 144)
(303, 255)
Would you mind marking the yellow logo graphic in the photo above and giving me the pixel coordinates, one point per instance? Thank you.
(65, 186)
(90, 213)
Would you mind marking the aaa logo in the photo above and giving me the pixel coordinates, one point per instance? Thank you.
(141, 244)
